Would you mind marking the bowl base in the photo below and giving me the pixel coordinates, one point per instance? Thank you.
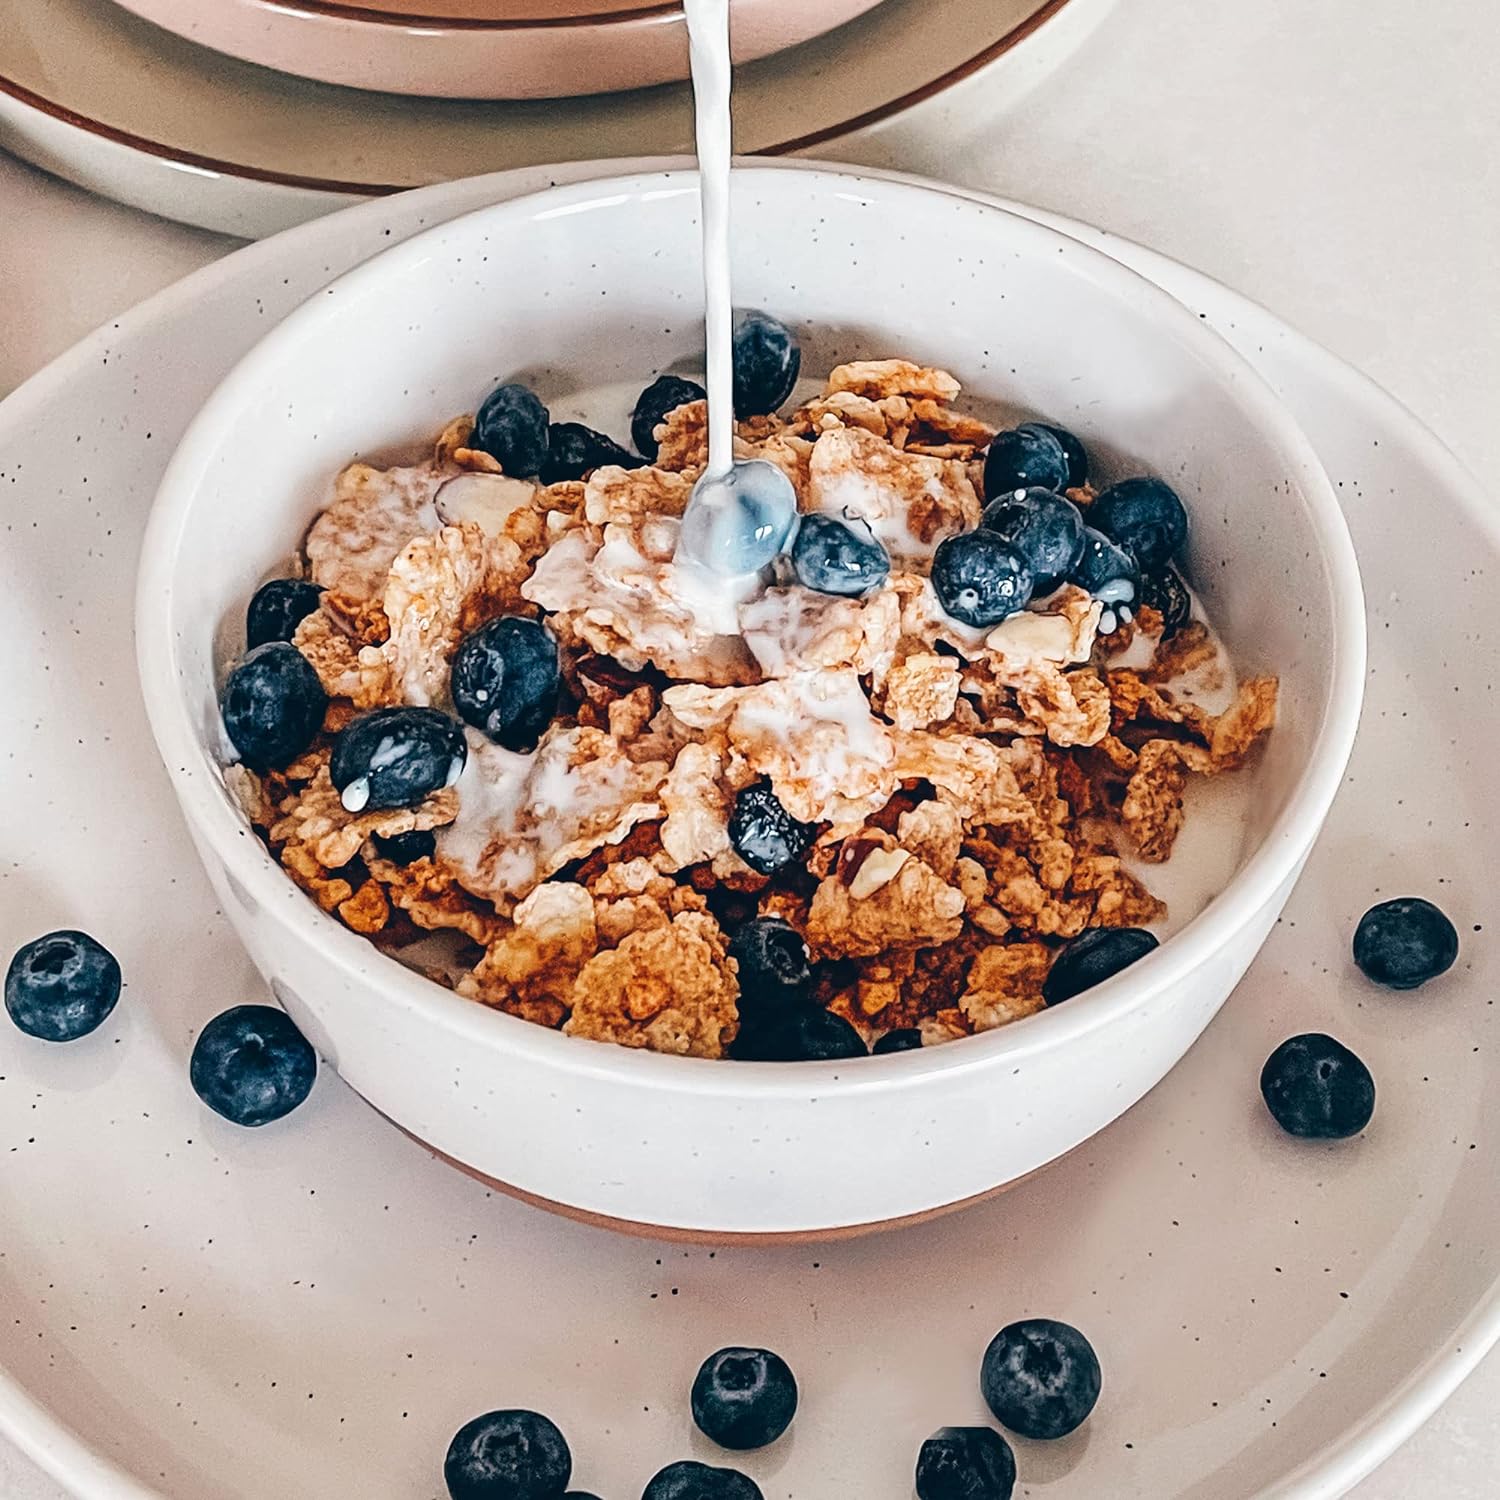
(717, 1238)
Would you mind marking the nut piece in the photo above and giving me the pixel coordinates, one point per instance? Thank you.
(488, 500)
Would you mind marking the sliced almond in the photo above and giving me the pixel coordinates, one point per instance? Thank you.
(488, 500)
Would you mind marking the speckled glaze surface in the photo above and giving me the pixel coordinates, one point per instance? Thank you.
(100, 97)
(456, 56)
(312, 1309)
(598, 284)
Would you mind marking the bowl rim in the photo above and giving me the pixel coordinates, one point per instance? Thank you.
(196, 773)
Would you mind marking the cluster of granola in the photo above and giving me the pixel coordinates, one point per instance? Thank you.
(974, 793)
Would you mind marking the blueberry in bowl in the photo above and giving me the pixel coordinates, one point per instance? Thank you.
(1042, 528)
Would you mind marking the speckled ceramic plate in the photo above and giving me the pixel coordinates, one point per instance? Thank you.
(200, 1313)
(98, 96)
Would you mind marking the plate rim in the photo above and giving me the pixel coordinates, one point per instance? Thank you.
(56, 1448)
(115, 135)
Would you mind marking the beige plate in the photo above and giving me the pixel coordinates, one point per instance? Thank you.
(98, 96)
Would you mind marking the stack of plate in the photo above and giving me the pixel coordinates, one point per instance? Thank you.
(484, 49)
(131, 108)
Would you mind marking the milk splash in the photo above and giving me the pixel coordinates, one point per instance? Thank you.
(740, 514)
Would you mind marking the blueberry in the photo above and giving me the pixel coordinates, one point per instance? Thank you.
(505, 679)
(277, 608)
(835, 558)
(579, 1495)
(665, 394)
(1040, 1378)
(766, 363)
(508, 1455)
(1404, 943)
(1026, 457)
(1317, 1088)
(965, 1463)
(273, 706)
(1145, 517)
(1110, 575)
(574, 450)
(395, 757)
(1074, 451)
(690, 1480)
(765, 835)
(744, 1398)
(773, 968)
(902, 1039)
(512, 427)
(406, 848)
(251, 1065)
(979, 579)
(806, 1033)
(1042, 528)
(739, 525)
(1091, 959)
(60, 987)
(1166, 593)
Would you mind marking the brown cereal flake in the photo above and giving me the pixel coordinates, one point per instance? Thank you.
(671, 989)
(1005, 983)
(877, 378)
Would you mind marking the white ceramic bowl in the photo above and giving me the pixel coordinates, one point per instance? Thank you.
(599, 283)
(542, 49)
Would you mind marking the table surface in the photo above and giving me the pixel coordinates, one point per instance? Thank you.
(1336, 162)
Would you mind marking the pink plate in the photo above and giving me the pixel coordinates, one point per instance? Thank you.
(484, 49)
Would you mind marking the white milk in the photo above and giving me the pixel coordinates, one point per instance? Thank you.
(708, 33)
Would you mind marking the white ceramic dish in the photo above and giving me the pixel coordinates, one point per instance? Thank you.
(1205, 1255)
(457, 56)
(421, 333)
(120, 107)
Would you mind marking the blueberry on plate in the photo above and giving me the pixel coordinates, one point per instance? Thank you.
(1404, 943)
(1145, 517)
(574, 450)
(965, 1463)
(505, 678)
(979, 579)
(406, 848)
(1166, 593)
(773, 969)
(766, 363)
(664, 395)
(508, 1455)
(902, 1039)
(1026, 457)
(512, 427)
(395, 757)
(834, 557)
(61, 986)
(1110, 575)
(805, 1033)
(1040, 1378)
(273, 706)
(277, 608)
(1074, 451)
(764, 834)
(690, 1480)
(1091, 958)
(744, 1398)
(1044, 529)
(251, 1065)
(1317, 1088)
